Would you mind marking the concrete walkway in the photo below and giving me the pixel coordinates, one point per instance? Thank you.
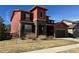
(72, 39)
(56, 49)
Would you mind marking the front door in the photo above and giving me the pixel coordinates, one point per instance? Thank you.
(41, 29)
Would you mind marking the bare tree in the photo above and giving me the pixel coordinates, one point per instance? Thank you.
(2, 28)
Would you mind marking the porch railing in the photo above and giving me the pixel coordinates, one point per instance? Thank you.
(50, 21)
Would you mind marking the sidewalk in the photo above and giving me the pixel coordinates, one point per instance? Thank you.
(72, 39)
(56, 49)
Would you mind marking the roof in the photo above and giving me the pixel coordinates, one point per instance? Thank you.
(73, 22)
(47, 16)
(72, 26)
(34, 7)
(68, 21)
(18, 10)
(50, 24)
(60, 23)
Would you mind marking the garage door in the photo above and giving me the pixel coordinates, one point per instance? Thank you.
(60, 33)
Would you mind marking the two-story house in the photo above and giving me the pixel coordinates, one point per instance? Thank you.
(36, 21)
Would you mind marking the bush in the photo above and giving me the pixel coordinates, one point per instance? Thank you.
(6, 36)
(42, 37)
(50, 37)
(30, 36)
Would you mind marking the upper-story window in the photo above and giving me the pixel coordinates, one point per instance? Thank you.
(40, 14)
(27, 17)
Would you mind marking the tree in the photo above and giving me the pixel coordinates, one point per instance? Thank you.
(8, 28)
(2, 28)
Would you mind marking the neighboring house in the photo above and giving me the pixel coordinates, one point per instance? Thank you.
(60, 29)
(73, 28)
(67, 22)
(76, 30)
(35, 21)
(70, 25)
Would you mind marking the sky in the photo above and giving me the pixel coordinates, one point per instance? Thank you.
(56, 12)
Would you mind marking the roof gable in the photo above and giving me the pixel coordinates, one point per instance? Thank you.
(38, 7)
(18, 11)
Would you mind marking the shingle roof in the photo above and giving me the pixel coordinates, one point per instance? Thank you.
(34, 7)
(67, 20)
(70, 21)
(72, 26)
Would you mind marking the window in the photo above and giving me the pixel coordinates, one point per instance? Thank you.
(27, 16)
(27, 28)
(40, 14)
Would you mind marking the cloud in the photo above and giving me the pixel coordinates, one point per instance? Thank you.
(75, 20)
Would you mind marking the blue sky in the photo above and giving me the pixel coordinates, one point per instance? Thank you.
(57, 12)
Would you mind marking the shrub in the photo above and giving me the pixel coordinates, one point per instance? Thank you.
(30, 36)
(42, 37)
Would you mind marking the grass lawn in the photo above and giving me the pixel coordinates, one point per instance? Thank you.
(12, 46)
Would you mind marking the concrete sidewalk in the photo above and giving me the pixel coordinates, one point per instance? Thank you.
(56, 49)
(72, 39)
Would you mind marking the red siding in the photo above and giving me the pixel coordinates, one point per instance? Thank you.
(60, 26)
(43, 11)
(15, 22)
(35, 14)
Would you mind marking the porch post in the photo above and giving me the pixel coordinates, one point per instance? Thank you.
(19, 30)
(19, 34)
(36, 28)
(54, 34)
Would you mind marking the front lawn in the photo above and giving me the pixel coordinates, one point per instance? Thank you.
(29, 45)
(74, 50)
